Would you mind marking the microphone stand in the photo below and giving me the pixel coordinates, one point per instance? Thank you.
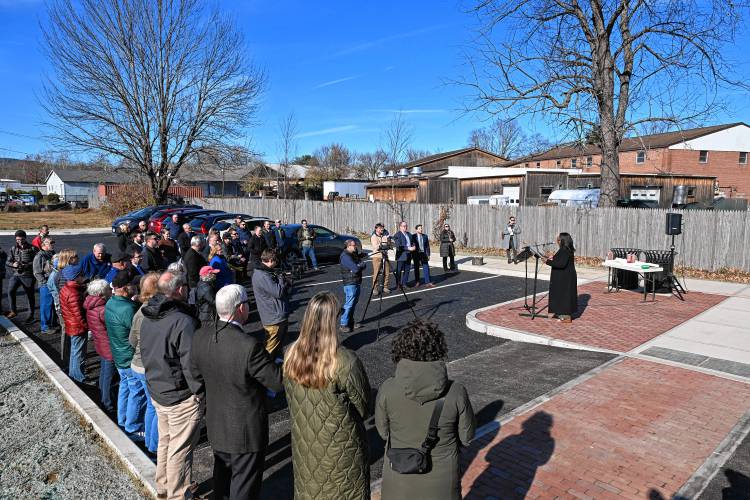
(532, 309)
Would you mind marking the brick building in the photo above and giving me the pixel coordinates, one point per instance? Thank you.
(719, 150)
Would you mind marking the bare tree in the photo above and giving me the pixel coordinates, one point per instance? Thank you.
(605, 66)
(369, 164)
(413, 154)
(287, 151)
(334, 161)
(503, 137)
(397, 138)
(152, 82)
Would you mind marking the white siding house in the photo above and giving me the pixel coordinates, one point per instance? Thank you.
(78, 185)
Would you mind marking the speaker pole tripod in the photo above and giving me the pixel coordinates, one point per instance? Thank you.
(377, 281)
(674, 284)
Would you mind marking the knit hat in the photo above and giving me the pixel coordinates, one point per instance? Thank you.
(71, 271)
(206, 270)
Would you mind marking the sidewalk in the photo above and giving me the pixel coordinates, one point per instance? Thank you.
(659, 422)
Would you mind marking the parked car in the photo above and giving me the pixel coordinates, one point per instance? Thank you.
(145, 213)
(186, 215)
(204, 223)
(252, 223)
(328, 244)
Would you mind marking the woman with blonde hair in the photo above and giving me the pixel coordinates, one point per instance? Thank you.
(329, 399)
(218, 260)
(151, 428)
(55, 282)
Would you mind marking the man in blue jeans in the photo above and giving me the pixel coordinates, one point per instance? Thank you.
(42, 267)
(306, 242)
(351, 272)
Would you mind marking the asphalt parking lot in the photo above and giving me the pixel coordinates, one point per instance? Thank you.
(499, 375)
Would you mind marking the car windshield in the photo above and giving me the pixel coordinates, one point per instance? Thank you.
(143, 212)
(321, 231)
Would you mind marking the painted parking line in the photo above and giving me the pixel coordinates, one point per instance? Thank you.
(395, 294)
(327, 282)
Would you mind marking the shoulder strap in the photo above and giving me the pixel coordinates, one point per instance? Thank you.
(432, 438)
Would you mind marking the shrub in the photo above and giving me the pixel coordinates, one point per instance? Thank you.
(53, 198)
(36, 194)
(126, 199)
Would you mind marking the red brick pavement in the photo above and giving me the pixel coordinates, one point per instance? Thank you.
(635, 427)
(616, 321)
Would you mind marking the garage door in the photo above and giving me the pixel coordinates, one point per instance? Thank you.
(513, 193)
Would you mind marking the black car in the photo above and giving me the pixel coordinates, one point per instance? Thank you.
(222, 221)
(328, 244)
(156, 223)
(145, 213)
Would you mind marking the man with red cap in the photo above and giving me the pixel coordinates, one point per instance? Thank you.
(205, 294)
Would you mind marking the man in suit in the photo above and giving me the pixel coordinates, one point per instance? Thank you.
(421, 257)
(404, 248)
(236, 371)
(510, 239)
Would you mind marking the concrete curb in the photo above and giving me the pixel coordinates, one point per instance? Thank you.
(478, 325)
(130, 455)
(62, 232)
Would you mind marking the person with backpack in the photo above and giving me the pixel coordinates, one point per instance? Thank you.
(420, 406)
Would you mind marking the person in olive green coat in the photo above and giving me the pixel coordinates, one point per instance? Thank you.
(329, 399)
(404, 407)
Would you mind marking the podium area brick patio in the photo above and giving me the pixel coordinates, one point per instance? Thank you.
(618, 321)
(637, 429)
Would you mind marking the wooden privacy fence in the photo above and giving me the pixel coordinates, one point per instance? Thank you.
(710, 240)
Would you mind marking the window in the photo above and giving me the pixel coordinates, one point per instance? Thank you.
(703, 157)
(544, 192)
(589, 162)
(558, 163)
(640, 157)
(743, 158)
(574, 163)
(526, 165)
(538, 164)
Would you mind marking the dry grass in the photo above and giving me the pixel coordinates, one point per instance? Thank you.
(62, 219)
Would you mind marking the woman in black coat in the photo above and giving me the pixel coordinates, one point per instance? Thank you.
(563, 287)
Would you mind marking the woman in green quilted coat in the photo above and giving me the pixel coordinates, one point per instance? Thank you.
(404, 407)
(329, 399)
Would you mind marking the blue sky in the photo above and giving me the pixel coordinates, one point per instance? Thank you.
(342, 67)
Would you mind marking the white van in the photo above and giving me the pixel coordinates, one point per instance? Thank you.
(495, 199)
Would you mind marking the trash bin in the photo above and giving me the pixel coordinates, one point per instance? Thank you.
(627, 280)
(662, 258)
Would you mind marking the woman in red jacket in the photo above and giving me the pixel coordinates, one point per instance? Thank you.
(74, 316)
(99, 292)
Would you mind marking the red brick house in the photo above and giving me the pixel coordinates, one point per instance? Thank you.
(719, 150)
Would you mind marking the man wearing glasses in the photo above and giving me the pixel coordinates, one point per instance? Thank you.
(510, 239)
(404, 247)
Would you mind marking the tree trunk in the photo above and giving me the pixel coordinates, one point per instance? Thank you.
(610, 175)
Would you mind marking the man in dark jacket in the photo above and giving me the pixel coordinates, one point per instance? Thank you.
(205, 295)
(236, 372)
(120, 262)
(193, 260)
(183, 239)
(306, 243)
(152, 259)
(404, 247)
(272, 299)
(351, 273)
(169, 324)
(269, 236)
(421, 256)
(257, 246)
(42, 269)
(21, 263)
(97, 264)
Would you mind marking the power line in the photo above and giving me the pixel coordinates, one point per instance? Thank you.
(8, 132)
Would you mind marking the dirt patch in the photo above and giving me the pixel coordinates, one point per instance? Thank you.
(45, 451)
(62, 219)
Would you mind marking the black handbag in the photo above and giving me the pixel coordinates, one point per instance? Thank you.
(417, 460)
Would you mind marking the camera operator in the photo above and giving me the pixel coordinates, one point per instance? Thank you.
(351, 272)
(380, 245)
(271, 290)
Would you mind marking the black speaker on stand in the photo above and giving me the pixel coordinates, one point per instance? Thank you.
(673, 228)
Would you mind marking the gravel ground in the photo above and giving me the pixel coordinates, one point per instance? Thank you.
(45, 449)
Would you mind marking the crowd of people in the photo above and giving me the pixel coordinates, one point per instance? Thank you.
(166, 314)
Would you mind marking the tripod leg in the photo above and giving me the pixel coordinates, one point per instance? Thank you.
(369, 298)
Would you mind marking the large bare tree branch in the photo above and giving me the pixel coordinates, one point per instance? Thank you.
(152, 82)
